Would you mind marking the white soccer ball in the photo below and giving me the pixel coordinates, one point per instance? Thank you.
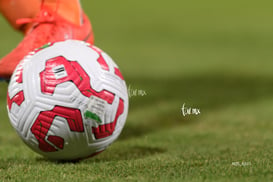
(67, 100)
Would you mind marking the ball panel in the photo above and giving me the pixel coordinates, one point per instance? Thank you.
(68, 100)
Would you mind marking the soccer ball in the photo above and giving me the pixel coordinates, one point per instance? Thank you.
(67, 100)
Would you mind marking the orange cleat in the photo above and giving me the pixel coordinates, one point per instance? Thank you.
(48, 26)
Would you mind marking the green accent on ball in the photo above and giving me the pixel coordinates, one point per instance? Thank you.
(90, 115)
(45, 46)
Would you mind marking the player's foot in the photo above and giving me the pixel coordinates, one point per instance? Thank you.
(48, 26)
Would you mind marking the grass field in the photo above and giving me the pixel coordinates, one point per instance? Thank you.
(215, 56)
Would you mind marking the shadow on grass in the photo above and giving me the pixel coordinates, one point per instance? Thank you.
(206, 92)
(127, 153)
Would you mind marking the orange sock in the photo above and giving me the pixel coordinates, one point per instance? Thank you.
(68, 9)
(15, 9)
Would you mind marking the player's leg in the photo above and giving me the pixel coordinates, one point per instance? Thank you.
(15, 9)
(69, 9)
(57, 20)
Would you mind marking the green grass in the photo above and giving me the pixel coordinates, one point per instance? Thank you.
(211, 55)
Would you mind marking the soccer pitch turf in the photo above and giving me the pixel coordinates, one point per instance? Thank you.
(210, 55)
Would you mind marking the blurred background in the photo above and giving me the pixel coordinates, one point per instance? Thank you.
(212, 55)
